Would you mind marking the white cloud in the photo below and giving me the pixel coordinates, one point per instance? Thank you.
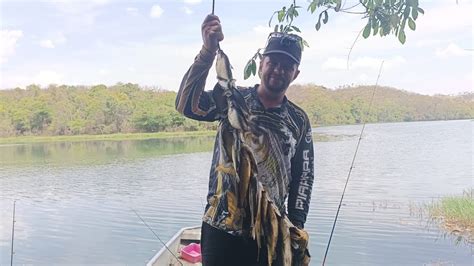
(8, 41)
(469, 78)
(460, 17)
(104, 71)
(87, 2)
(46, 77)
(428, 42)
(53, 42)
(156, 11)
(363, 77)
(132, 11)
(79, 12)
(340, 63)
(262, 29)
(365, 62)
(188, 10)
(452, 50)
(192, 2)
(335, 63)
(46, 44)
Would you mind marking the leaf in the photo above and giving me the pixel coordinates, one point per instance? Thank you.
(305, 43)
(296, 28)
(394, 20)
(338, 5)
(276, 28)
(406, 12)
(370, 4)
(411, 24)
(254, 67)
(403, 24)
(376, 29)
(326, 17)
(281, 15)
(402, 37)
(248, 69)
(318, 25)
(421, 10)
(414, 13)
(295, 12)
(375, 24)
(290, 12)
(366, 32)
(312, 7)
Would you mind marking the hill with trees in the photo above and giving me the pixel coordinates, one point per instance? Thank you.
(126, 108)
(350, 105)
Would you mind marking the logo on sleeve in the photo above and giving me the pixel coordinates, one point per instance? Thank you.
(305, 185)
(308, 136)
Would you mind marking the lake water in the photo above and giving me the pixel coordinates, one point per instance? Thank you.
(75, 200)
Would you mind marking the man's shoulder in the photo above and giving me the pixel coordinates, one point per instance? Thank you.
(245, 90)
(297, 111)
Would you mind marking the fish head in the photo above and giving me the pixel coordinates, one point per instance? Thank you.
(223, 67)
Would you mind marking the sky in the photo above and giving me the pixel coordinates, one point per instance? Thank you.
(153, 43)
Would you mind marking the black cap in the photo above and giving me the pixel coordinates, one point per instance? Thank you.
(284, 43)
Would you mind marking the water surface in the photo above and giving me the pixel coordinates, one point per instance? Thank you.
(75, 200)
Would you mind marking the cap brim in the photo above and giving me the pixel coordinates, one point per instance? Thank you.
(282, 52)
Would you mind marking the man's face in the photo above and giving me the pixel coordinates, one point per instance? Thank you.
(277, 71)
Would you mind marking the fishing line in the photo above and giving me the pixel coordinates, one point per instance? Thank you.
(13, 233)
(157, 237)
(352, 165)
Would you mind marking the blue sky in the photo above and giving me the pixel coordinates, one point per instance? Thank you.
(152, 43)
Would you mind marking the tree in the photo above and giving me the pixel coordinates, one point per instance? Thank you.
(384, 17)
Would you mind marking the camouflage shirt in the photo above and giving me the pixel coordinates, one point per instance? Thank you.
(287, 175)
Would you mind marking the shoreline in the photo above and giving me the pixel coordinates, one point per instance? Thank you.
(159, 135)
(111, 137)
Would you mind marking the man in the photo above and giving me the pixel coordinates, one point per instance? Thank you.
(287, 136)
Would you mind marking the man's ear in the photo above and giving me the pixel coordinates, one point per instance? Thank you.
(297, 72)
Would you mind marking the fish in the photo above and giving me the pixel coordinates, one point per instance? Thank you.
(238, 112)
(284, 243)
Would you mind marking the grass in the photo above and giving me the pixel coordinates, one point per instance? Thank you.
(119, 136)
(456, 213)
(131, 136)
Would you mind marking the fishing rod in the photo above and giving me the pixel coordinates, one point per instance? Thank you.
(213, 4)
(352, 166)
(164, 244)
(13, 233)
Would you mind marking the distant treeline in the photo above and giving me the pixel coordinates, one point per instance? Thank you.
(350, 105)
(124, 108)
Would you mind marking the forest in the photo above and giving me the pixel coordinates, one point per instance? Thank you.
(129, 108)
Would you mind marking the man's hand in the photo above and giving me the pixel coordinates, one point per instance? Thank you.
(211, 33)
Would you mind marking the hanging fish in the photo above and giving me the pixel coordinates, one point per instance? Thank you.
(238, 113)
(285, 244)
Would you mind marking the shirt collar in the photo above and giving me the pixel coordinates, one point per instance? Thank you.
(280, 108)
